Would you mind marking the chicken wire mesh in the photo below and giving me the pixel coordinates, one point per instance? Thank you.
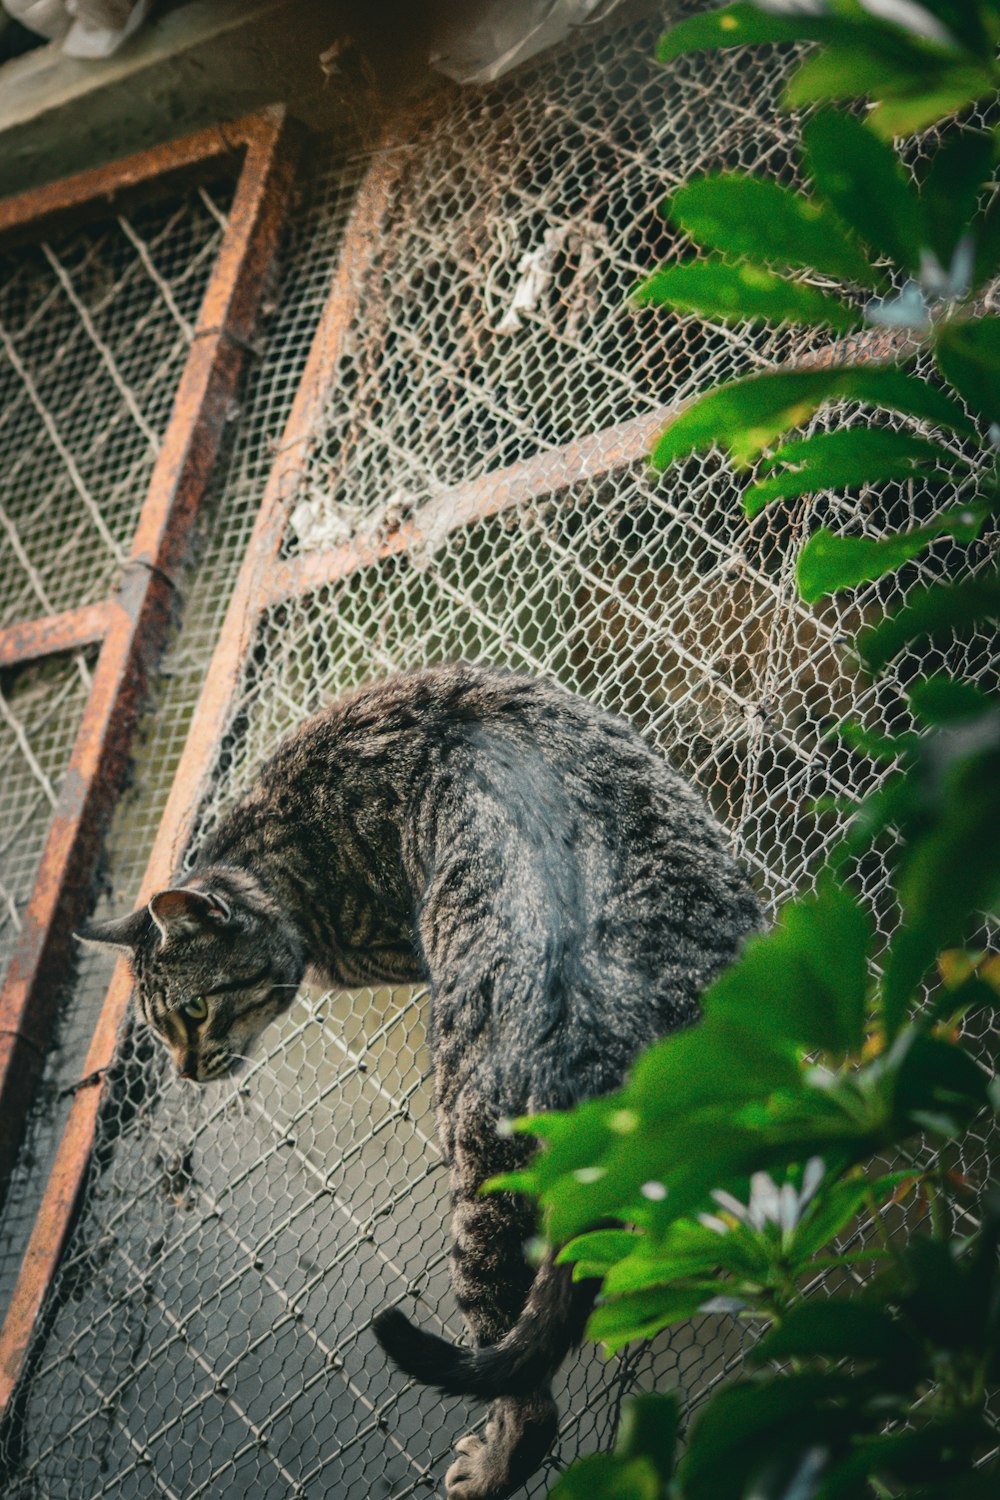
(94, 330)
(209, 1334)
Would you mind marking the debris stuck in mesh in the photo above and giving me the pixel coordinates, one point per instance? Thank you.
(319, 523)
(537, 268)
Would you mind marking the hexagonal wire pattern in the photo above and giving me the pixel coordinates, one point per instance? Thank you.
(468, 494)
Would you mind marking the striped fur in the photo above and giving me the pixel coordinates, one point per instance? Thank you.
(565, 892)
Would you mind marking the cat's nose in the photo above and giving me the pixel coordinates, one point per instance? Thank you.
(188, 1072)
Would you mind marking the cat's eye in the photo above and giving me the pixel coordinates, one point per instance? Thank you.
(196, 1009)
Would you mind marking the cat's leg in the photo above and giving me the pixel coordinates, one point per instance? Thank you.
(491, 1279)
(520, 1431)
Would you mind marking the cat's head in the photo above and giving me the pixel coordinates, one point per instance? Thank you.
(213, 961)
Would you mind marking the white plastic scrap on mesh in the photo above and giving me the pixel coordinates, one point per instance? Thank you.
(210, 1333)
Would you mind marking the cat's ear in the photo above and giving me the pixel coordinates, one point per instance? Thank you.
(183, 911)
(122, 934)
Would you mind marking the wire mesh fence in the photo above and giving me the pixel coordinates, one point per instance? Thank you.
(95, 326)
(94, 330)
(475, 488)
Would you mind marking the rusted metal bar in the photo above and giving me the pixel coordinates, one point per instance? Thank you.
(461, 505)
(359, 248)
(106, 190)
(135, 636)
(30, 640)
(545, 474)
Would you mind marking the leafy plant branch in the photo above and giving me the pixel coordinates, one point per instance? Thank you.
(743, 1162)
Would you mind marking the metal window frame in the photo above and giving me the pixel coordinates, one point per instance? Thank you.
(129, 626)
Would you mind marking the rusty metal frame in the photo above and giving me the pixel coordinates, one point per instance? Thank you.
(266, 579)
(130, 627)
(263, 580)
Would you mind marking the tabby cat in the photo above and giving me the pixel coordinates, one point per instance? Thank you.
(564, 892)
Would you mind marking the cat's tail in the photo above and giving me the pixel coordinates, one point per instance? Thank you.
(525, 1359)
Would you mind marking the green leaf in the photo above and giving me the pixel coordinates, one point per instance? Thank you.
(910, 111)
(834, 1208)
(935, 1450)
(968, 356)
(933, 613)
(849, 457)
(890, 804)
(745, 416)
(740, 26)
(595, 1253)
(944, 1301)
(606, 1476)
(950, 190)
(721, 1059)
(829, 562)
(937, 1081)
(717, 1146)
(965, 23)
(748, 1424)
(915, 87)
(860, 68)
(648, 1429)
(710, 1062)
(952, 872)
(746, 293)
(640, 1315)
(835, 1328)
(806, 979)
(686, 1250)
(753, 217)
(861, 176)
(940, 700)
(873, 744)
(572, 1139)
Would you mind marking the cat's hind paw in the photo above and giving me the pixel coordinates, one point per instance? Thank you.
(468, 1478)
(518, 1436)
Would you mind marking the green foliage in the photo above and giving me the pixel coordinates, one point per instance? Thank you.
(862, 178)
(931, 615)
(745, 416)
(745, 1156)
(968, 356)
(845, 458)
(643, 1460)
(919, 74)
(743, 294)
(951, 188)
(828, 562)
(750, 216)
(864, 219)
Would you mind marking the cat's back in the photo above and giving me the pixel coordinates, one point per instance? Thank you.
(464, 731)
(556, 772)
(511, 816)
